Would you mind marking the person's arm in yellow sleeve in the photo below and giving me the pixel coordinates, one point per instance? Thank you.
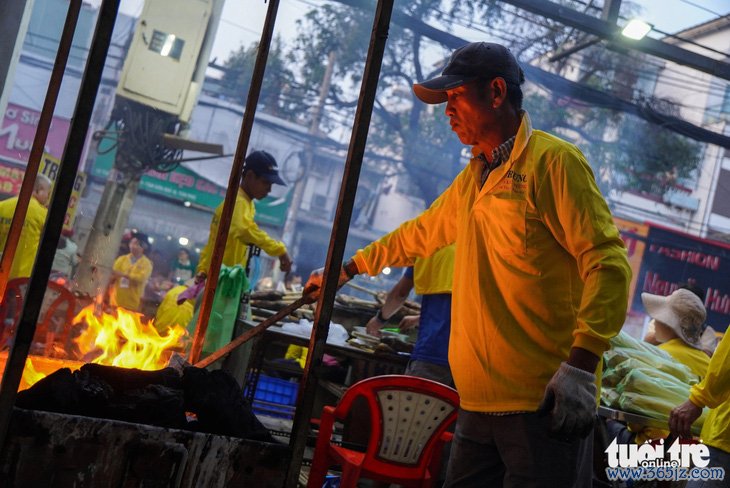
(141, 273)
(419, 237)
(118, 266)
(245, 229)
(577, 215)
(713, 390)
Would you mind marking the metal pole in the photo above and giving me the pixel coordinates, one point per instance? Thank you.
(338, 239)
(36, 151)
(57, 210)
(233, 182)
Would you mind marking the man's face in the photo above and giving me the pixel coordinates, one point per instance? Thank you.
(257, 187)
(42, 193)
(135, 247)
(469, 108)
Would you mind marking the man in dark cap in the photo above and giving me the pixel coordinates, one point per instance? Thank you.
(260, 172)
(540, 284)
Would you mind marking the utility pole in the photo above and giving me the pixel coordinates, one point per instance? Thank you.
(298, 189)
(162, 77)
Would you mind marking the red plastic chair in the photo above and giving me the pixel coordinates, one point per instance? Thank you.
(54, 322)
(409, 417)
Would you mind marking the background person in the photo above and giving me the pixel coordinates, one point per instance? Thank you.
(130, 274)
(714, 392)
(677, 323)
(182, 268)
(67, 255)
(541, 280)
(432, 278)
(30, 236)
(260, 172)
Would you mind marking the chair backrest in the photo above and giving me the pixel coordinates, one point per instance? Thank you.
(408, 415)
(57, 310)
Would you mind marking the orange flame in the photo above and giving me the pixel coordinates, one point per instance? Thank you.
(30, 375)
(125, 340)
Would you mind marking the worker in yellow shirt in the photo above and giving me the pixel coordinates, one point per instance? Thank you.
(677, 323)
(260, 172)
(540, 284)
(130, 274)
(714, 392)
(30, 236)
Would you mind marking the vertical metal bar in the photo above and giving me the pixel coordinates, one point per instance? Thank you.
(39, 141)
(234, 181)
(56, 213)
(338, 238)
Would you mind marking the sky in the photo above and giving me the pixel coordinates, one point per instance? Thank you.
(243, 20)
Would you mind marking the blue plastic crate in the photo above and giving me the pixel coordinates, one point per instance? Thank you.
(275, 390)
(275, 397)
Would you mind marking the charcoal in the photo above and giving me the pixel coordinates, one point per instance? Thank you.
(126, 379)
(66, 392)
(159, 398)
(218, 402)
(154, 404)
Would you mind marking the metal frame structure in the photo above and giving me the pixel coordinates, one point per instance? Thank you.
(69, 167)
(36, 151)
(234, 181)
(57, 206)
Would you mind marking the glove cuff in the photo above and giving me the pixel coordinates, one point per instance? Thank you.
(575, 373)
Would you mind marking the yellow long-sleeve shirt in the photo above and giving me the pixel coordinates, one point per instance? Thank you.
(539, 268)
(242, 232)
(714, 392)
(127, 291)
(30, 236)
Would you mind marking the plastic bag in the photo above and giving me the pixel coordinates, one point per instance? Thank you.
(625, 341)
(644, 382)
(232, 283)
(337, 334)
(654, 407)
(615, 357)
(609, 397)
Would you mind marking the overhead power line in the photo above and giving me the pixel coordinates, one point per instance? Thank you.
(566, 87)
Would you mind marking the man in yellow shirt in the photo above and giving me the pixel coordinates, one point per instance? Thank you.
(30, 236)
(260, 172)
(432, 278)
(540, 284)
(714, 392)
(130, 273)
(678, 321)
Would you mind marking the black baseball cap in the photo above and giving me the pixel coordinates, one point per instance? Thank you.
(264, 165)
(468, 63)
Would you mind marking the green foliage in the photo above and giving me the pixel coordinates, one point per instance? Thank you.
(279, 93)
(625, 152)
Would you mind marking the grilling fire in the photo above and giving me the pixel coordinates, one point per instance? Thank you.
(119, 339)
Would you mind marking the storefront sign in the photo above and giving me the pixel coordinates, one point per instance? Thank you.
(185, 185)
(180, 184)
(18, 128)
(49, 168)
(11, 178)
